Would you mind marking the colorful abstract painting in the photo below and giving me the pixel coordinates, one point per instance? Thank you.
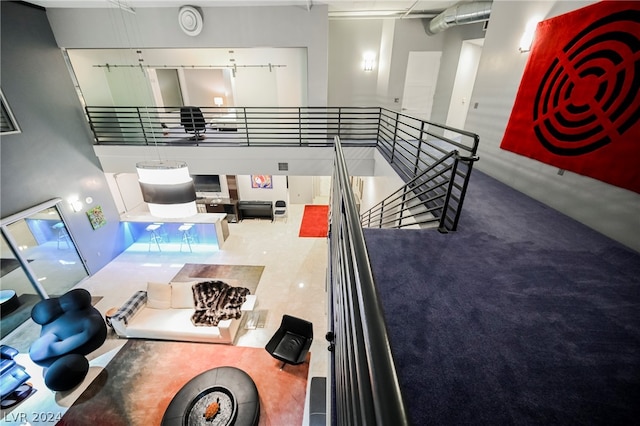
(96, 217)
(578, 105)
(261, 181)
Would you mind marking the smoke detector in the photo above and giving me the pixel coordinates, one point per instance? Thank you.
(190, 20)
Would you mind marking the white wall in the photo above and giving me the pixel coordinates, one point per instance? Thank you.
(391, 41)
(224, 27)
(608, 209)
(238, 161)
(349, 40)
(247, 193)
(379, 186)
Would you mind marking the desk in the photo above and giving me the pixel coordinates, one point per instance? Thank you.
(221, 205)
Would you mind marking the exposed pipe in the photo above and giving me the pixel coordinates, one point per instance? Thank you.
(460, 14)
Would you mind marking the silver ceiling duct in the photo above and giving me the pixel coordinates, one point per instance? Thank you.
(460, 14)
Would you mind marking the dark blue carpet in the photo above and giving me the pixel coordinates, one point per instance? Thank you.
(523, 316)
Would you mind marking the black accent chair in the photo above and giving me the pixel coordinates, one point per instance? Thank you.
(192, 120)
(291, 342)
(71, 329)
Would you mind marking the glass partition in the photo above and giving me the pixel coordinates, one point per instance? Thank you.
(17, 295)
(39, 260)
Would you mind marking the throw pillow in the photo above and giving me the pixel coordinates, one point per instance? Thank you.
(158, 295)
(182, 294)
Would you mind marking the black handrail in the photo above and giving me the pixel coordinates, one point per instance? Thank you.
(367, 390)
(411, 197)
(435, 161)
(238, 126)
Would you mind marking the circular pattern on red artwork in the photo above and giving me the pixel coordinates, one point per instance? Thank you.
(589, 95)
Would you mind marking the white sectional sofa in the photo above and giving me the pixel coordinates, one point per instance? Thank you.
(165, 312)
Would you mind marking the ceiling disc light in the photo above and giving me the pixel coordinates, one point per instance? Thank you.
(190, 20)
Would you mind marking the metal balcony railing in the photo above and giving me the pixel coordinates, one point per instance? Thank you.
(434, 160)
(239, 126)
(367, 390)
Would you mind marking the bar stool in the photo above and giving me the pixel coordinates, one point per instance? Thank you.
(162, 232)
(62, 234)
(186, 235)
(154, 236)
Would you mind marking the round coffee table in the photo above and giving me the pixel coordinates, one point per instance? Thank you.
(236, 388)
(8, 302)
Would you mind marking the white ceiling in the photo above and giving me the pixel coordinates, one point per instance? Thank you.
(337, 8)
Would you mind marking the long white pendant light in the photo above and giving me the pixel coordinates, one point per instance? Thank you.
(167, 188)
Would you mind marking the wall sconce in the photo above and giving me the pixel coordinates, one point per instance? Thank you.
(369, 62)
(528, 36)
(167, 188)
(76, 205)
(218, 101)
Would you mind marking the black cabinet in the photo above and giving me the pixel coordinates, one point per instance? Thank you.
(255, 210)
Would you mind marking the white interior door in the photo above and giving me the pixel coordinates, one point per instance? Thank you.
(301, 189)
(463, 84)
(420, 83)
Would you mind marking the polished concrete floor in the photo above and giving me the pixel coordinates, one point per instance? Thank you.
(293, 282)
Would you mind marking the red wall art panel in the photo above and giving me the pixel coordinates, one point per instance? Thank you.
(578, 105)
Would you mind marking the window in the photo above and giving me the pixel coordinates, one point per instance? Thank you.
(8, 124)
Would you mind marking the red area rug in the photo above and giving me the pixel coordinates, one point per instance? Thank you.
(315, 221)
(138, 384)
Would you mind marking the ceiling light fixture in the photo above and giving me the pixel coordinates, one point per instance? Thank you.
(167, 188)
(529, 34)
(369, 61)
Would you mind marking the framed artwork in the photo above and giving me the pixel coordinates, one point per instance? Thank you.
(8, 124)
(261, 181)
(578, 105)
(96, 217)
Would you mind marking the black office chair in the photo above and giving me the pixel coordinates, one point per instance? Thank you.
(192, 120)
(280, 210)
(291, 342)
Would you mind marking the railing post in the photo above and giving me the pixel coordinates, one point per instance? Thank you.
(404, 200)
(418, 149)
(339, 122)
(246, 125)
(395, 135)
(299, 126)
(379, 126)
(93, 129)
(381, 214)
(144, 134)
(463, 191)
(445, 207)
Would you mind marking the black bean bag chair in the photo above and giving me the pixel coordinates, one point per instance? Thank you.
(71, 329)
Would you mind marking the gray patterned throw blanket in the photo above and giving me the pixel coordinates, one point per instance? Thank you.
(216, 301)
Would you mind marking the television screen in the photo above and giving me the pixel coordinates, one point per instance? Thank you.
(207, 183)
